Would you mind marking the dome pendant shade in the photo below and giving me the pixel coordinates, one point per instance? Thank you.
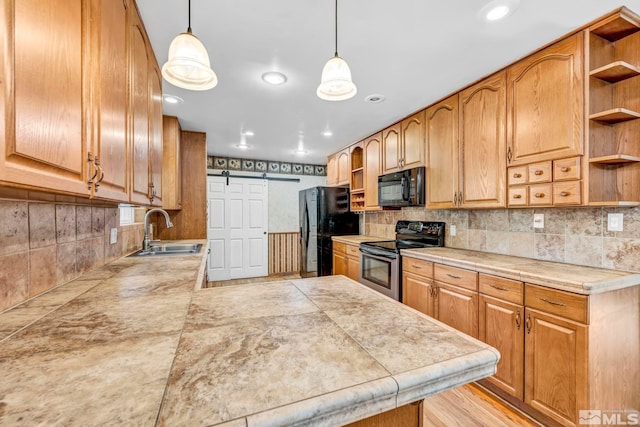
(188, 65)
(335, 83)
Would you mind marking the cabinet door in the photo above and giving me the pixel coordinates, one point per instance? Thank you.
(344, 167)
(457, 308)
(139, 93)
(339, 263)
(417, 292)
(442, 154)
(110, 94)
(372, 169)
(555, 366)
(391, 149)
(413, 143)
(44, 81)
(332, 170)
(171, 162)
(353, 268)
(501, 326)
(545, 103)
(155, 135)
(483, 146)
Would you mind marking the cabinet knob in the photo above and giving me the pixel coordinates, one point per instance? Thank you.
(565, 169)
(517, 196)
(564, 193)
(517, 175)
(539, 172)
(539, 195)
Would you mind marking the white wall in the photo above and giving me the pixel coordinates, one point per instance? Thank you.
(283, 199)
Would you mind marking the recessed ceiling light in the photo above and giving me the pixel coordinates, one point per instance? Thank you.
(242, 146)
(274, 78)
(248, 133)
(327, 133)
(301, 152)
(374, 98)
(172, 99)
(498, 9)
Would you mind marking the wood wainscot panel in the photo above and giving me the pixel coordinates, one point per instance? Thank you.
(284, 252)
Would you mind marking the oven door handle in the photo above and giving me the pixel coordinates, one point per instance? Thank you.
(378, 254)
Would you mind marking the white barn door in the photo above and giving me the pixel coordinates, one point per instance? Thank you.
(237, 227)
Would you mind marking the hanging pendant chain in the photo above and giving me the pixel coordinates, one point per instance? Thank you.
(189, 28)
(336, 21)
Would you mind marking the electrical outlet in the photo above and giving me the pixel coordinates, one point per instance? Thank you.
(614, 222)
(452, 230)
(113, 236)
(538, 220)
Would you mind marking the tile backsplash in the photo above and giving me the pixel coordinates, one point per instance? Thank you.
(44, 244)
(570, 235)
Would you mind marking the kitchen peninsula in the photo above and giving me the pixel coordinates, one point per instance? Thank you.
(134, 343)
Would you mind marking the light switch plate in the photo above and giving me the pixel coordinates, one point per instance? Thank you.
(113, 236)
(614, 222)
(452, 230)
(538, 220)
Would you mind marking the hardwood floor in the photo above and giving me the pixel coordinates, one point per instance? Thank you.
(466, 406)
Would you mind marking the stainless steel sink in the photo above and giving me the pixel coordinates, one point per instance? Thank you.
(170, 249)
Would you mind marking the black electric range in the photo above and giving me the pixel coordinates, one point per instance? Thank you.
(380, 262)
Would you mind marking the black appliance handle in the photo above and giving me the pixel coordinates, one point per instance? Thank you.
(306, 226)
(406, 187)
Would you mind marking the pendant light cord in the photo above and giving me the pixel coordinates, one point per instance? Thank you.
(336, 21)
(189, 28)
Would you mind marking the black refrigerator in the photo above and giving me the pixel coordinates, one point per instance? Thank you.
(324, 212)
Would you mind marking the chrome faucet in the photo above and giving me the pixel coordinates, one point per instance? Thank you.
(146, 241)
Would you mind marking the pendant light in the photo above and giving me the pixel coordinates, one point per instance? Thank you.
(335, 83)
(188, 65)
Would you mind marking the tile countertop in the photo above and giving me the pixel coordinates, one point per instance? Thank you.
(566, 277)
(133, 343)
(357, 239)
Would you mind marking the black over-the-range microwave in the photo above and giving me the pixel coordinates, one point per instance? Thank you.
(404, 188)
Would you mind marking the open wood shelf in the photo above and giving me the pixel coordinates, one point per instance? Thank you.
(615, 115)
(617, 28)
(615, 72)
(614, 159)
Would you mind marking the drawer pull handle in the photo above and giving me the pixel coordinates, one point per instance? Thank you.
(539, 172)
(454, 276)
(518, 319)
(499, 288)
(564, 193)
(517, 175)
(561, 304)
(565, 169)
(539, 195)
(417, 267)
(528, 323)
(517, 196)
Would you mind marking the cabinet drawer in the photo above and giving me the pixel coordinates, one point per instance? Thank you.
(353, 251)
(560, 303)
(517, 175)
(539, 172)
(540, 194)
(504, 289)
(566, 169)
(518, 196)
(456, 276)
(567, 193)
(339, 247)
(417, 266)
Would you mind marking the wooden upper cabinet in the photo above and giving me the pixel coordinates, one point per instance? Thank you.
(442, 154)
(391, 149)
(109, 54)
(139, 89)
(344, 167)
(483, 148)
(413, 143)
(372, 150)
(171, 163)
(44, 110)
(332, 170)
(155, 135)
(545, 101)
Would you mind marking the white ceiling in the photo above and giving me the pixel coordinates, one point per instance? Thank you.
(414, 52)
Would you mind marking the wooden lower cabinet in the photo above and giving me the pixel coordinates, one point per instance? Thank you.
(458, 308)
(346, 260)
(418, 293)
